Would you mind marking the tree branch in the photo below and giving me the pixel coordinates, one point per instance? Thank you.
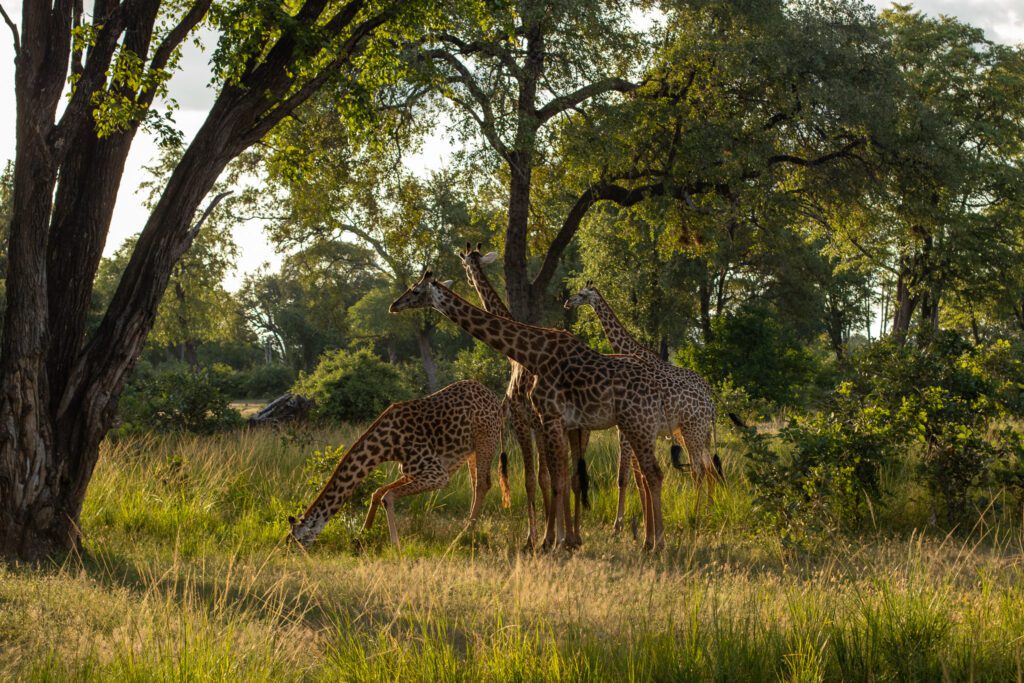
(206, 214)
(570, 100)
(14, 31)
(484, 47)
(486, 116)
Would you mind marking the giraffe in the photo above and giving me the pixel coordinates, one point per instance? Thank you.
(525, 420)
(689, 396)
(431, 437)
(575, 387)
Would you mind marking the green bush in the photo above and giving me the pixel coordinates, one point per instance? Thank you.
(484, 364)
(176, 400)
(943, 395)
(351, 386)
(267, 381)
(823, 470)
(759, 356)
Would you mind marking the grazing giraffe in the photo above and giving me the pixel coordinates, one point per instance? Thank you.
(689, 398)
(525, 420)
(575, 387)
(431, 437)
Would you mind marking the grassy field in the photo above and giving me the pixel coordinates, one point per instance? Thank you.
(184, 577)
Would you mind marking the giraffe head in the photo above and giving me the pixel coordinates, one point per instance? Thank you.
(587, 296)
(423, 294)
(305, 529)
(474, 258)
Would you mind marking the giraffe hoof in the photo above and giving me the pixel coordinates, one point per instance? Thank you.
(572, 543)
(617, 527)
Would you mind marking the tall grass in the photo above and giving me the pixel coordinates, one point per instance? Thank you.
(184, 577)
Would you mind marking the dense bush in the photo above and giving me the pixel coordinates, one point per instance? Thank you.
(823, 470)
(175, 400)
(267, 381)
(754, 350)
(352, 386)
(938, 401)
(484, 364)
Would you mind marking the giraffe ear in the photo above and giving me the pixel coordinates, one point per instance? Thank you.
(448, 284)
(489, 257)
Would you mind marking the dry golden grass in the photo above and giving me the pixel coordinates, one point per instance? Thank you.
(184, 577)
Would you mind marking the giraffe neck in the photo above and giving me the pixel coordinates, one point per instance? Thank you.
(526, 344)
(360, 459)
(492, 303)
(618, 336)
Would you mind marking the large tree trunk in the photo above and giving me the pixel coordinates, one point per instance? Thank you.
(904, 305)
(59, 391)
(517, 278)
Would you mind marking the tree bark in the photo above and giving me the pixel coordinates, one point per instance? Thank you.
(59, 391)
(423, 335)
(704, 291)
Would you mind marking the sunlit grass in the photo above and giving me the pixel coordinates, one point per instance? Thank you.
(185, 576)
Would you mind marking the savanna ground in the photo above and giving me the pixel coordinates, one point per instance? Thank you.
(184, 576)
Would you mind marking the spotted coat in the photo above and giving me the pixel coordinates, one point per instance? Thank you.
(430, 437)
(575, 388)
(688, 397)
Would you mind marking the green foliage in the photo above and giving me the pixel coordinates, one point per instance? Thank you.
(351, 386)
(937, 403)
(942, 397)
(484, 364)
(267, 381)
(821, 473)
(177, 400)
(758, 354)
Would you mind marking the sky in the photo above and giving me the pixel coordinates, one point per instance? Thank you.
(1002, 20)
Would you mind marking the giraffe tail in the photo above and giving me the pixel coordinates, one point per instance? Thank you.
(677, 459)
(506, 492)
(506, 418)
(583, 476)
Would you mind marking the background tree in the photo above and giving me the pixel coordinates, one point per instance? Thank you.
(510, 76)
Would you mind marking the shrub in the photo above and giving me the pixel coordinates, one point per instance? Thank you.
(754, 350)
(176, 400)
(267, 381)
(823, 469)
(942, 395)
(484, 364)
(351, 386)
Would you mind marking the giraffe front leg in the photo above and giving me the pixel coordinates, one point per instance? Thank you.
(625, 461)
(643, 447)
(557, 452)
(524, 437)
(425, 479)
(371, 514)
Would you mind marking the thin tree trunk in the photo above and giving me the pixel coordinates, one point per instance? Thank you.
(704, 292)
(423, 336)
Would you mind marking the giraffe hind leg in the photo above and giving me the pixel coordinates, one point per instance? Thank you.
(428, 479)
(375, 499)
